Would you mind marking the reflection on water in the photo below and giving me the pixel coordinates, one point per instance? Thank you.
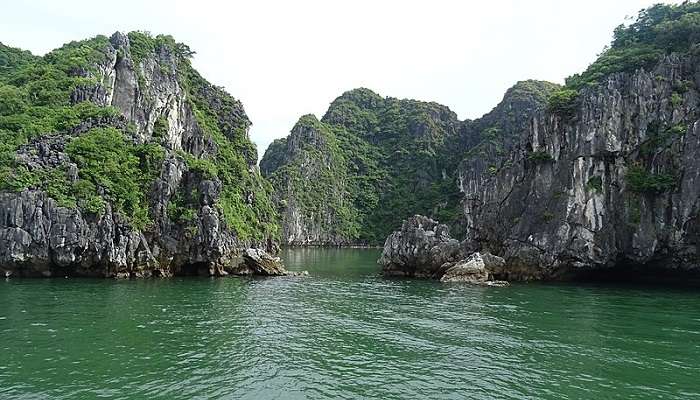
(344, 332)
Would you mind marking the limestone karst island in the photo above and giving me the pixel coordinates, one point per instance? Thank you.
(263, 211)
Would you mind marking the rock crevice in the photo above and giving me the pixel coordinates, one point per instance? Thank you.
(423, 248)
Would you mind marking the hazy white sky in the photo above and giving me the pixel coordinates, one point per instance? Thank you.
(284, 59)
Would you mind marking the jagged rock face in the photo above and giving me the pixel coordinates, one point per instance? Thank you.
(419, 249)
(423, 248)
(38, 237)
(476, 269)
(41, 239)
(380, 160)
(259, 262)
(147, 91)
(307, 170)
(616, 183)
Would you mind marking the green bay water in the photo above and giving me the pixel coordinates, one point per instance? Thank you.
(344, 332)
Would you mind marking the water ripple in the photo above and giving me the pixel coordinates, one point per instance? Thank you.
(344, 333)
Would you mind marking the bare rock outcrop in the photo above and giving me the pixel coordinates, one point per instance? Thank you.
(423, 248)
(614, 185)
(476, 269)
(260, 263)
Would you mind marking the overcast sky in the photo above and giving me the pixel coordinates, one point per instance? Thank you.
(284, 59)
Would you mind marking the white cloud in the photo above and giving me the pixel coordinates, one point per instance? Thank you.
(288, 58)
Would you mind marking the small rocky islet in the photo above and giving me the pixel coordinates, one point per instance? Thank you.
(118, 159)
(423, 248)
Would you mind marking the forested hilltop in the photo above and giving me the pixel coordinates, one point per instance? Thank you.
(371, 161)
(601, 172)
(118, 158)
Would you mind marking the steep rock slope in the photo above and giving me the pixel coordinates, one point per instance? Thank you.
(118, 158)
(309, 172)
(373, 161)
(609, 175)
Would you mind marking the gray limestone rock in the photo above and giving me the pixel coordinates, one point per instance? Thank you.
(475, 269)
(259, 262)
(588, 202)
(419, 248)
(423, 248)
(38, 237)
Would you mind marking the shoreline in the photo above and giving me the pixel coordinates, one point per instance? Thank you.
(330, 246)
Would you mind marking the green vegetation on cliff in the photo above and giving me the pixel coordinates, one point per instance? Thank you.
(245, 198)
(384, 159)
(317, 179)
(35, 99)
(401, 169)
(369, 163)
(659, 29)
(123, 170)
(38, 100)
(394, 158)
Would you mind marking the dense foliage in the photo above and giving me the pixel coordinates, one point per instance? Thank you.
(122, 170)
(245, 198)
(35, 100)
(563, 102)
(641, 180)
(368, 164)
(114, 167)
(317, 179)
(658, 30)
(375, 161)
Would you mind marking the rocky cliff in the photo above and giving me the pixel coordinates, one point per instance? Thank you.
(604, 182)
(309, 172)
(596, 176)
(373, 161)
(118, 158)
(615, 182)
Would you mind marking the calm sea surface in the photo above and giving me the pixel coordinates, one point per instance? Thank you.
(344, 332)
